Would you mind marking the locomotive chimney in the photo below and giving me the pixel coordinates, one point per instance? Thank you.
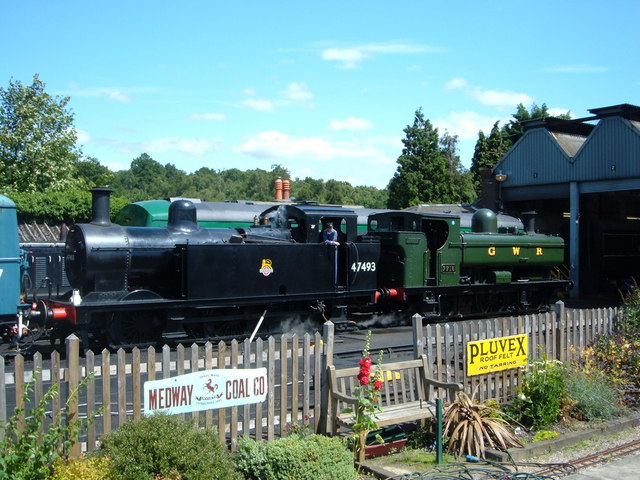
(285, 189)
(529, 220)
(101, 206)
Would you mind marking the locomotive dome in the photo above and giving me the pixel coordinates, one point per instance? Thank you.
(484, 221)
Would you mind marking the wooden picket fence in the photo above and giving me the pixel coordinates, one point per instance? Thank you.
(561, 334)
(111, 384)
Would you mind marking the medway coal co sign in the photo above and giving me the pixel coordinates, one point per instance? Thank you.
(205, 390)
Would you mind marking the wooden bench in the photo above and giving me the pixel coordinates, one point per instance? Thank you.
(408, 393)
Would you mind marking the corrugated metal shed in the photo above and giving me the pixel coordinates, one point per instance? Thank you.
(586, 180)
(553, 153)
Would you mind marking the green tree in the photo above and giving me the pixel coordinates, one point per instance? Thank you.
(423, 174)
(308, 189)
(461, 178)
(37, 139)
(91, 173)
(370, 197)
(148, 179)
(488, 152)
(513, 130)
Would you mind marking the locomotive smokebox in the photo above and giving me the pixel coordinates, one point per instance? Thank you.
(101, 206)
(529, 220)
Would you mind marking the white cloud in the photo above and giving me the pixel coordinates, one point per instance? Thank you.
(119, 96)
(273, 144)
(191, 146)
(492, 98)
(367, 161)
(556, 112)
(99, 92)
(467, 124)
(350, 57)
(258, 104)
(298, 92)
(350, 123)
(400, 48)
(455, 83)
(214, 117)
(580, 68)
(495, 98)
(82, 136)
(116, 166)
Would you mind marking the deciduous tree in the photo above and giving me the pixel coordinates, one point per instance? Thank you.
(37, 139)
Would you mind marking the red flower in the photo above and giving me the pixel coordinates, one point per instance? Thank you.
(377, 384)
(364, 379)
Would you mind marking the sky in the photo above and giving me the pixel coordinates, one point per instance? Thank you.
(323, 89)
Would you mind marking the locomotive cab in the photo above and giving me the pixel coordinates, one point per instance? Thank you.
(306, 222)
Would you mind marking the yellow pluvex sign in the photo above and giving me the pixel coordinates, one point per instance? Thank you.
(495, 354)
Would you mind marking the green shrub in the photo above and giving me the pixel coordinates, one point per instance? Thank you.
(542, 394)
(160, 446)
(594, 397)
(629, 319)
(617, 357)
(85, 468)
(25, 453)
(311, 457)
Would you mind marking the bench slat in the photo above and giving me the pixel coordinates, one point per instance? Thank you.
(408, 393)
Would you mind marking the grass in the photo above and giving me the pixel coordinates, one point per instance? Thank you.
(414, 459)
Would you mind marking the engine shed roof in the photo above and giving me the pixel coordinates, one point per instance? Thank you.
(600, 152)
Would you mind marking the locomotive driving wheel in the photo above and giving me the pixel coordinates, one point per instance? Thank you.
(135, 327)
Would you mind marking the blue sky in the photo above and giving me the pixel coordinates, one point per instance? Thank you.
(324, 89)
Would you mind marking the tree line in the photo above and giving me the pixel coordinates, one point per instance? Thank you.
(46, 174)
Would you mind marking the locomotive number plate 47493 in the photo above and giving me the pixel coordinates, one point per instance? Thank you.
(363, 266)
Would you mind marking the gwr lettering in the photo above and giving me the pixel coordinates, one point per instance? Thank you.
(491, 251)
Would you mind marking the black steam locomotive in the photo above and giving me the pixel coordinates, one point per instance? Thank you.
(140, 285)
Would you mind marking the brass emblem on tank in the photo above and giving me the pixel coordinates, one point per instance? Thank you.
(266, 269)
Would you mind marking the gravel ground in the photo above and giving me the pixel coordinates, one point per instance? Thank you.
(592, 446)
(567, 454)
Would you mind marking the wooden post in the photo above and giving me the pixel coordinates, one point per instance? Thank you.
(328, 332)
(418, 336)
(560, 323)
(73, 374)
(439, 431)
(3, 398)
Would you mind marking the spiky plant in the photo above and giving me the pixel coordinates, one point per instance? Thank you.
(471, 426)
